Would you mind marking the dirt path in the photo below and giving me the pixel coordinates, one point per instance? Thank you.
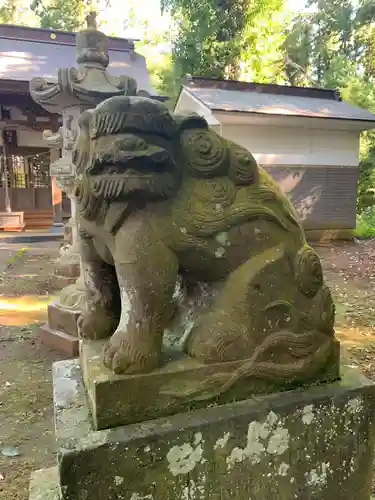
(350, 272)
(25, 366)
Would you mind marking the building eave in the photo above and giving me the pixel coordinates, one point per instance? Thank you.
(205, 110)
(243, 118)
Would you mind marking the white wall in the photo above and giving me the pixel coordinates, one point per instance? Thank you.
(30, 138)
(26, 136)
(275, 145)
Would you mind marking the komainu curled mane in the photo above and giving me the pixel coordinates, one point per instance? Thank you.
(182, 231)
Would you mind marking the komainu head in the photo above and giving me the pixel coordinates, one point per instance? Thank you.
(133, 145)
(125, 147)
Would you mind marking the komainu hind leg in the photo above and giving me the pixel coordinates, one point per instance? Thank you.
(229, 331)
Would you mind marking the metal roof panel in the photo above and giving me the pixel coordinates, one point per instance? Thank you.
(217, 99)
(23, 60)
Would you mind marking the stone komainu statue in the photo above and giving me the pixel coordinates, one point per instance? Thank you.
(182, 231)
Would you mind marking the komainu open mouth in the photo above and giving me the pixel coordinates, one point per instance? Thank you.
(116, 160)
(122, 184)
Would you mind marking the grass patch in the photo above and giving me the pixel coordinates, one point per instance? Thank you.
(16, 256)
(366, 223)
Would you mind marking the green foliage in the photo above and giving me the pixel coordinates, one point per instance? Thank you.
(16, 256)
(17, 12)
(297, 46)
(8, 11)
(366, 223)
(154, 45)
(366, 181)
(68, 15)
(65, 15)
(330, 40)
(162, 75)
(224, 38)
(262, 55)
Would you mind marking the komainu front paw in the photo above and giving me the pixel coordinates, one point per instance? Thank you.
(96, 324)
(123, 355)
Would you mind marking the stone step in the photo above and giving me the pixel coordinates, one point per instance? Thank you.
(38, 219)
(59, 341)
(44, 485)
(63, 320)
(60, 282)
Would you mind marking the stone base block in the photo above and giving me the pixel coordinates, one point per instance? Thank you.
(68, 233)
(312, 444)
(60, 282)
(180, 385)
(69, 269)
(44, 485)
(59, 341)
(63, 320)
(11, 221)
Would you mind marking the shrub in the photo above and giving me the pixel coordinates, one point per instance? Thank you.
(366, 177)
(366, 223)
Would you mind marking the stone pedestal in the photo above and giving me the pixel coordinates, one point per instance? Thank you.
(68, 232)
(60, 333)
(178, 386)
(311, 444)
(67, 268)
(65, 275)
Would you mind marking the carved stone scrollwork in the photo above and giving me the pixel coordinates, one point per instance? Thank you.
(53, 139)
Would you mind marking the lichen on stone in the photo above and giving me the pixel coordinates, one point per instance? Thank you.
(268, 437)
(222, 442)
(308, 414)
(183, 459)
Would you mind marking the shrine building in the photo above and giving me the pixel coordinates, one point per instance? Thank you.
(26, 186)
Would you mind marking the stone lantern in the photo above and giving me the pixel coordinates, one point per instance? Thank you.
(76, 90)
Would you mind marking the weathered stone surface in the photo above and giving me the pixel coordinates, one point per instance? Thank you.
(119, 399)
(44, 485)
(63, 319)
(68, 233)
(69, 269)
(72, 415)
(314, 444)
(184, 235)
(61, 332)
(59, 341)
(59, 281)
